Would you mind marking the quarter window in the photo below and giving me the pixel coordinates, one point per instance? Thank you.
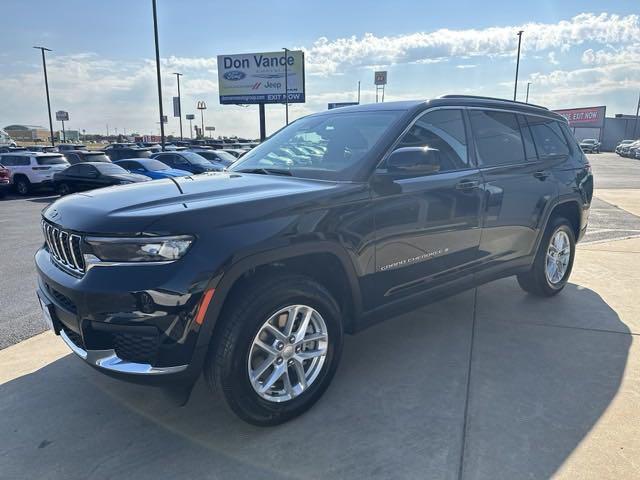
(498, 138)
(442, 130)
(529, 148)
(548, 137)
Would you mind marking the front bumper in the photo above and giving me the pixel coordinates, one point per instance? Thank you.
(131, 322)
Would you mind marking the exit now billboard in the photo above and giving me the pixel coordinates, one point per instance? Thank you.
(260, 77)
(584, 117)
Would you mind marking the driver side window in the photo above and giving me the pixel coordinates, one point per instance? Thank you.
(442, 131)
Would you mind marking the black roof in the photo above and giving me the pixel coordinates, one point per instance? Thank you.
(449, 100)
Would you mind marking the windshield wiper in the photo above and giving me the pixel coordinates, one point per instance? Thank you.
(266, 171)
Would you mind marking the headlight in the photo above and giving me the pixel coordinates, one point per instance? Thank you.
(143, 249)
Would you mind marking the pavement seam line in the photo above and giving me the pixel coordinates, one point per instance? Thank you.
(571, 327)
(468, 387)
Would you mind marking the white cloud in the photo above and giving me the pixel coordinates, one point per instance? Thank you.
(464, 66)
(625, 54)
(331, 56)
(552, 58)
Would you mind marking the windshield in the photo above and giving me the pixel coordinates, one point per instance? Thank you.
(155, 165)
(53, 160)
(97, 157)
(327, 146)
(111, 169)
(194, 158)
(224, 158)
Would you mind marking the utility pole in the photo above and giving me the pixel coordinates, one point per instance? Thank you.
(358, 92)
(635, 127)
(286, 85)
(515, 86)
(202, 107)
(46, 87)
(528, 85)
(155, 33)
(178, 75)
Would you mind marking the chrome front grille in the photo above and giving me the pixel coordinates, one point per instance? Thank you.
(64, 247)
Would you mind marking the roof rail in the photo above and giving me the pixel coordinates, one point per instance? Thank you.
(479, 97)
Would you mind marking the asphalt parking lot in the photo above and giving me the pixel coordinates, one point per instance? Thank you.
(489, 384)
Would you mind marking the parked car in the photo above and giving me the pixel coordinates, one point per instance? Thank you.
(254, 276)
(41, 148)
(151, 168)
(219, 158)
(119, 153)
(152, 146)
(11, 149)
(590, 145)
(92, 175)
(633, 149)
(625, 149)
(32, 170)
(64, 147)
(80, 156)
(623, 143)
(236, 152)
(185, 160)
(5, 181)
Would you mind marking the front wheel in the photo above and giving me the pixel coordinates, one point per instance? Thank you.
(22, 186)
(553, 263)
(278, 349)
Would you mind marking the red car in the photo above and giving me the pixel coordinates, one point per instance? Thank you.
(5, 179)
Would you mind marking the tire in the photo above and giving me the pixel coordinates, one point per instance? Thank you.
(233, 348)
(22, 185)
(63, 189)
(536, 281)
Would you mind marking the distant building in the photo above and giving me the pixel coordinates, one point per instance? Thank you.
(28, 133)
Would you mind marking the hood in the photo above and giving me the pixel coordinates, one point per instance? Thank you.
(220, 198)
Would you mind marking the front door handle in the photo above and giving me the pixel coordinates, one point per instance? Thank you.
(467, 185)
(541, 175)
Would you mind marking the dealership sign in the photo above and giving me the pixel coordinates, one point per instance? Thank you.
(260, 77)
(584, 117)
(62, 116)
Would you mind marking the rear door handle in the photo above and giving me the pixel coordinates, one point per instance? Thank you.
(541, 175)
(467, 185)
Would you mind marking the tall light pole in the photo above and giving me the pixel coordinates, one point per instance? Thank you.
(528, 85)
(46, 87)
(515, 87)
(155, 33)
(178, 75)
(635, 126)
(286, 85)
(358, 92)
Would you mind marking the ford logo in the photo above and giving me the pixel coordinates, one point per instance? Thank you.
(234, 75)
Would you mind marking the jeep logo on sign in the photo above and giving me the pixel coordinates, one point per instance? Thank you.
(234, 75)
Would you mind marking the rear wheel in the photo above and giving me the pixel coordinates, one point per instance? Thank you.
(278, 349)
(64, 189)
(22, 185)
(553, 263)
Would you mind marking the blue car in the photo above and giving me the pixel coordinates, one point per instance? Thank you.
(151, 168)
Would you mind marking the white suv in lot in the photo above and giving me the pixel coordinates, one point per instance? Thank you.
(32, 170)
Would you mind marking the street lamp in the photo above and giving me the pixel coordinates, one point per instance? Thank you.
(515, 87)
(286, 84)
(528, 85)
(178, 75)
(155, 33)
(46, 86)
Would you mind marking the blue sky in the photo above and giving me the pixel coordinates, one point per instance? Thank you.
(579, 53)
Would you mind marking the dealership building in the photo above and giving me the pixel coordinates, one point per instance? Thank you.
(592, 122)
(28, 133)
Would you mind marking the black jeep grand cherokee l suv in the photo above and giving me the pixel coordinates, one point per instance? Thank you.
(341, 218)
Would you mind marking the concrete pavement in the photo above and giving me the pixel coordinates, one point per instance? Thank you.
(553, 391)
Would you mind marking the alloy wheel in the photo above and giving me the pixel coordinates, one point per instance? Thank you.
(288, 353)
(558, 256)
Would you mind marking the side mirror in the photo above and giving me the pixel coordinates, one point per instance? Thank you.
(414, 160)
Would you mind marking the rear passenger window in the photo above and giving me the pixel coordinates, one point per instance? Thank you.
(497, 136)
(529, 148)
(442, 130)
(548, 137)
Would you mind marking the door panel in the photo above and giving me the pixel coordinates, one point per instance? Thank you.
(517, 185)
(428, 226)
